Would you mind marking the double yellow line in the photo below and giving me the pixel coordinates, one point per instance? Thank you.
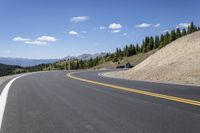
(162, 96)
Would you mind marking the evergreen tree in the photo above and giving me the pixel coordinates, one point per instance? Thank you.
(156, 43)
(161, 44)
(184, 32)
(178, 33)
(193, 28)
(126, 50)
(131, 50)
(167, 38)
(151, 44)
(145, 43)
(173, 35)
(137, 48)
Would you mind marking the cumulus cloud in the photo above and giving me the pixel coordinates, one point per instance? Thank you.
(115, 26)
(42, 40)
(183, 25)
(143, 25)
(156, 25)
(36, 42)
(46, 39)
(79, 19)
(116, 31)
(74, 33)
(20, 39)
(102, 28)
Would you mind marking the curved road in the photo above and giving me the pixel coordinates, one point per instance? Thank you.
(51, 102)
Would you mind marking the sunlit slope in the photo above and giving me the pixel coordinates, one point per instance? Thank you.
(178, 62)
(134, 60)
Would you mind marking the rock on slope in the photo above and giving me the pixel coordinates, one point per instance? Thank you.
(178, 62)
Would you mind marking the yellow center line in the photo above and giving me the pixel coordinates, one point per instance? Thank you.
(162, 96)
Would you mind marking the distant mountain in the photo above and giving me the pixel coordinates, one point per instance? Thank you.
(25, 62)
(32, 62)
(85, 56)
(69, 57)
(88, 56)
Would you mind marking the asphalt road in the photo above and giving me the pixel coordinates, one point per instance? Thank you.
(51, 102)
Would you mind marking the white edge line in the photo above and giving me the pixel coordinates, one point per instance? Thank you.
(4, 95)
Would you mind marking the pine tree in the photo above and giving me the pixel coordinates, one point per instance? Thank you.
(192, 28)
(131, 50)
(126, 50)
(184, 32)
(145, 44)
(161, 44)
(151, 43)
(156, 43)
(173, 35)
(167, 38)
(178, 33)
(137, 48)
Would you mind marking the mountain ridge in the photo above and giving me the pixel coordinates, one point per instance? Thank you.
(25, 62)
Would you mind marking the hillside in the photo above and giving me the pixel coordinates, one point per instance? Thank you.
(7, 69)
(178, 62)
(134, 60)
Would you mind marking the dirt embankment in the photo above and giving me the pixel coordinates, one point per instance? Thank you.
(178, 62)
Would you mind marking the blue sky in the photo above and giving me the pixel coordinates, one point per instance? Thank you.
(58, 28)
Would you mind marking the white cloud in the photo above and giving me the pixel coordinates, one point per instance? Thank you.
(46, 39)
(115, 26)
(156, 25)
(79, 19)
(74, 33)
(183, 25)
(36, 42)
(116, 31)
(20, 39)
(42, 40)
(102, 28)
(143, 25)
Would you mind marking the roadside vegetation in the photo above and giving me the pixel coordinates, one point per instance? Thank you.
(8, 69)
(133, 53)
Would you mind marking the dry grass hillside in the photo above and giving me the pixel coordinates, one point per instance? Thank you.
(134, 60)
(178, 62)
